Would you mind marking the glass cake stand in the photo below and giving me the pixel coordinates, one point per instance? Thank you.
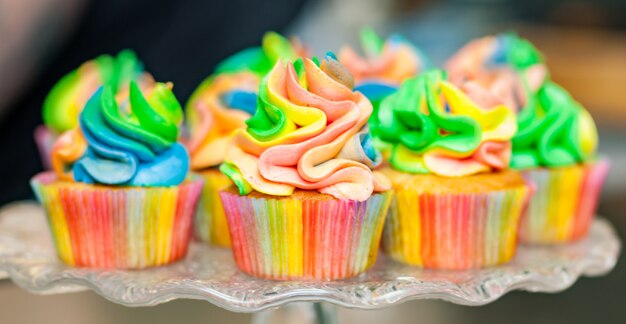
(209, 273)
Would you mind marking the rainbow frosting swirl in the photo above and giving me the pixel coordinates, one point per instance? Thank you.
(309, 132)
(554, 129)
(495, 64)
(433, 127)
(386, 64)
(130, 145)
(260, 60)
(68, 96)
(224, 101)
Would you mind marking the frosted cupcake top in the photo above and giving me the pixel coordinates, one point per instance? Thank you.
(69, 95)
(133, 144)
(224, 101)
(432, 126)
(554, 129)
(385, 65)
(309, 132)
(386, 62)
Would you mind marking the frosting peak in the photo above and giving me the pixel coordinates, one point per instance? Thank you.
(309, 132)
(226, 99)
(554, 129)
(496, 63)
(132, 144)
(390, 61)
(383, 68)
(433, 127)
(68, 96)
(260, 60)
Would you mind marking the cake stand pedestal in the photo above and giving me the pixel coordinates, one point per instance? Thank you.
(208, 273)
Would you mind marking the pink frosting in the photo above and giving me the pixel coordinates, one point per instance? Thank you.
(318, 153)
(468, 69)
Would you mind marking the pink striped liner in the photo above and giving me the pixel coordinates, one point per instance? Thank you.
(455, 230)
(45, 138)
(210, 223)
(312, 239)
(118, 227)
(564, 204)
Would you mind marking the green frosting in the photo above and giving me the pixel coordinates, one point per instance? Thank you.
(61, 109)
(553, 128)
(268, 120)
(259, 60)
(233, 173)
(518, 52)
(370, 41)
(135, 146)
(153, 121)
(410, 131)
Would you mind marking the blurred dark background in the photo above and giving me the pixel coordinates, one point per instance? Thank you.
(181, 41)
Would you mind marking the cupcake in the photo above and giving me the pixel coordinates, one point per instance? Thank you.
(118, 196)
(220, 105)
(305, 203)
(456, 204)
(555, 146)
(386, 64)
(68, 96)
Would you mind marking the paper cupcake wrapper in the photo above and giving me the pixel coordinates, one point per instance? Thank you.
(564, 203)
(45, 138)
(453, 231)
(289, 238)
(117, 227)
(210, 224)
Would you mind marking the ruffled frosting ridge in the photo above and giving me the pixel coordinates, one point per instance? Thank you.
(225, 106)
(554, 129)
(309, 132)
(130, 145)
(227, 98)
(384, 66)
(434, 127)
(67, 98)
(387, 62)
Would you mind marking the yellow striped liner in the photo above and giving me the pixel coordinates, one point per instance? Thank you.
(564, 203)
(210, 222)
(117, 227)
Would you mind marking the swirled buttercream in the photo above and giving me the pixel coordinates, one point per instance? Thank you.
(554, 129)
(309, 132)
(387, 61)
(433, 127)
(383, 68)
(132, 145)
(68, 96)
(227, 98)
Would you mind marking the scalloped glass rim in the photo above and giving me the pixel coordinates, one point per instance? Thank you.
(209, 273)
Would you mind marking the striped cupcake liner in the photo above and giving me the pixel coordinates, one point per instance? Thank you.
(564, 203)
(453, 231)
(210, 223)
(117, 227)
(310, 239)
(45, 138)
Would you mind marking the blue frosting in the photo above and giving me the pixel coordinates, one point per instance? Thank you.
(499, 56)
(375, 90)
(368, 147)
(330, 55)
(112, 158)
(240, 99)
